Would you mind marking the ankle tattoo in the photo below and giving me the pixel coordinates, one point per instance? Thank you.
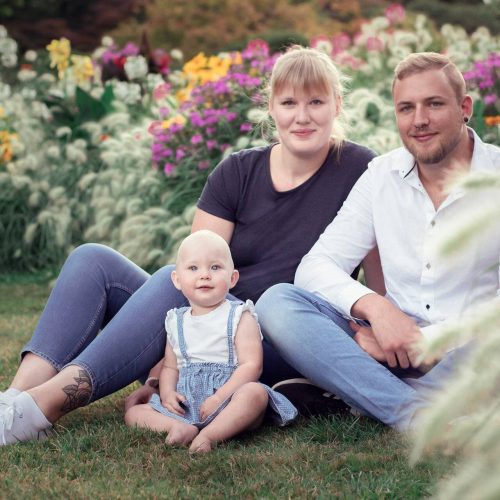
(77, 394)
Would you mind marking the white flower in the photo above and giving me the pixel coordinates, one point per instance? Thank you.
(63, 132)
(47, 78)
(30, 55)
(107, 41)
(75, 154)
(8, 46)
(3, 31)
(25, 75)
(53, 152)
(129, 93)
(28, 94)
(9, 60)
(177, 54)
(136, 67)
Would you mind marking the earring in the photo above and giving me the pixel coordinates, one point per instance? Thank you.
(466, 119)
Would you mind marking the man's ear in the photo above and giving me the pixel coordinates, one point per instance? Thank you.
(175, 280)
(467, 106)
(235, 276)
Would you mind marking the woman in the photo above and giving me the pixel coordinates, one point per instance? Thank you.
(270, 203)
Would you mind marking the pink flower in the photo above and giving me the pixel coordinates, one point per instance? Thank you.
(203, 165)
(168, 168)
(154, 127)
(245, 127)
(341, 42)
(395, 13)
(180, 154)
(374, 43)
(161, 91)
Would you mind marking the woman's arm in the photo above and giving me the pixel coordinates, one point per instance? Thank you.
(372, 268)
(204, 220)
(249, 351)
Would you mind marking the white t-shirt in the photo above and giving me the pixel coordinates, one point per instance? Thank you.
(206, 335)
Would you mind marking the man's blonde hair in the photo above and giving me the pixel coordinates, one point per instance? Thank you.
(425, 61)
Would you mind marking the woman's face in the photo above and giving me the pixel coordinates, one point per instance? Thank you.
(304, 120)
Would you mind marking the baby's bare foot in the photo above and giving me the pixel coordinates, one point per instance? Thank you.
(200, 444)
(181, 434)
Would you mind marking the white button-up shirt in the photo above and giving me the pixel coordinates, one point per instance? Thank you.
(389, 207)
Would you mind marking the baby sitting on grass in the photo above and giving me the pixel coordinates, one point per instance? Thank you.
(208, 386)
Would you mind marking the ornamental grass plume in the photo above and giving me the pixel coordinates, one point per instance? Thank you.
(465, 418)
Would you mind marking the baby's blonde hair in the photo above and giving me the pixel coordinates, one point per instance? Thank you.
(201, 237)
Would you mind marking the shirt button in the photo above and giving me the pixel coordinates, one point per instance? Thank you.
(428, 266)
(433, 223)
(427, 306)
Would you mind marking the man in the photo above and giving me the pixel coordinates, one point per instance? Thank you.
(341, 335)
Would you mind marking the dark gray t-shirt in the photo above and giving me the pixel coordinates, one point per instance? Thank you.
(273, 230)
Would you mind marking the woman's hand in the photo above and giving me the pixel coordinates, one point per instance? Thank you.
(139, 396)
(171, 401)
(209, 406)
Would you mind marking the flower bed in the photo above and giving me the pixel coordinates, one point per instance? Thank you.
(115, 147)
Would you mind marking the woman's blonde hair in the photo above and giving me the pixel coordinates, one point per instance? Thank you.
(308, 69)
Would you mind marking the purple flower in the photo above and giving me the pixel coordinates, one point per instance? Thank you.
(180, 154)
(211, 144)
(196, 139)
(203, 165)
(490, 99)
(245, 127)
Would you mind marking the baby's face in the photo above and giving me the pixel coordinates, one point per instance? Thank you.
(204, 273)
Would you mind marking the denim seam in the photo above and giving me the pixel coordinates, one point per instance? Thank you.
(83, 339)
(57, 366)
(115, 284)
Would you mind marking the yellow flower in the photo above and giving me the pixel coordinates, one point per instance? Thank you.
(59, 52)
(202, 69)
(82, 68)
(177, 119)
(6, 145)
(2, 112)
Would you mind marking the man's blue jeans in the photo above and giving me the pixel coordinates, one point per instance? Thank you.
(317, 341)
(107, 315)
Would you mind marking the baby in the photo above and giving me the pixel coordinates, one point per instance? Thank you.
(208, 390)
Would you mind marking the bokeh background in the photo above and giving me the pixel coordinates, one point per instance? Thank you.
(113, 113)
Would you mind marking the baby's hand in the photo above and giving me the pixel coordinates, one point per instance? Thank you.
(209, 406)
(171, 399)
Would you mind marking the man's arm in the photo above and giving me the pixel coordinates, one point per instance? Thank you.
(326, 270)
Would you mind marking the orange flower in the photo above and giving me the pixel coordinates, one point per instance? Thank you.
(492, 121)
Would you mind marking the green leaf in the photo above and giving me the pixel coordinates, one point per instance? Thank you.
(89, 108)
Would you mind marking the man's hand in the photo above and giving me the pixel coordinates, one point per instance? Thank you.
(366, 340)
(171, 401)
(209, 406)
(139, 396)
(395, 332)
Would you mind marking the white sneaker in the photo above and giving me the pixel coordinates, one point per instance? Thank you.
(16, 425)
(7, 398)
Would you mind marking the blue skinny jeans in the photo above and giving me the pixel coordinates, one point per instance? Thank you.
(106, 315)
(317, 341)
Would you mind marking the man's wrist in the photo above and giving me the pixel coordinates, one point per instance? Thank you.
(153, 382)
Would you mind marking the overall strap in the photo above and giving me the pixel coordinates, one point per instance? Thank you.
(230, 345)
(180, 332)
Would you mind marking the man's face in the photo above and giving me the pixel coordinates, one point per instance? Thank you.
(430, 120)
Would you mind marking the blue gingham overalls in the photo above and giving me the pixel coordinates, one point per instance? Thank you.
(198, 381)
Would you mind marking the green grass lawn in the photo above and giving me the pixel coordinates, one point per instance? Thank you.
(93, 454)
